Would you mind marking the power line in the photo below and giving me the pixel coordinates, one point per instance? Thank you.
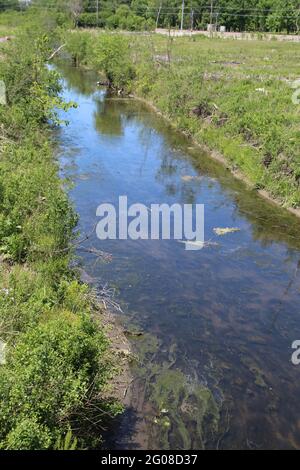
(166, 11)
(266, 10)
(182, 15)
(147, 8)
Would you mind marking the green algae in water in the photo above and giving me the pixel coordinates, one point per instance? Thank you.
(188, 415)
(147, 346)
(257, 373)
(185, 413)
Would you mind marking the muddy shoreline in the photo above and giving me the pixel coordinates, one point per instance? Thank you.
(120, 348)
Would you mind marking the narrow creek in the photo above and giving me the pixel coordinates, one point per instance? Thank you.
(214, 363)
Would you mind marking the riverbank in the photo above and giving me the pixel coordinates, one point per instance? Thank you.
(220, 158)
(58, 364)
(105, 311)
(236, 99)
(231, 100)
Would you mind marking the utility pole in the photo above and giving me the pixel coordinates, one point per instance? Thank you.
(192, 19)
(158, 14)
(211, 17)
(97, 12)
(182, 14)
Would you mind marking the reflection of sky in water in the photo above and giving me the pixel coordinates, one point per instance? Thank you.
(232, 308)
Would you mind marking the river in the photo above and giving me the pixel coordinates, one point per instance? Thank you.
(213, 366)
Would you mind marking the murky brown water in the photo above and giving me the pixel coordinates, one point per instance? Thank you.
(214, 364)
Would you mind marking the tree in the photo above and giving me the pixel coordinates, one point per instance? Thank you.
(9, 5)
(236, 15)
(75, 7)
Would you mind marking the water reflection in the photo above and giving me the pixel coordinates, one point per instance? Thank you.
(83, 81)
(218, 323)
(107, 118)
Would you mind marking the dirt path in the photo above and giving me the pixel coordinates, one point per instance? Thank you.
(6, 38)
(230, 35)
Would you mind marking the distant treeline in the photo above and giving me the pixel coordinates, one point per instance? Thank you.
(235, 15)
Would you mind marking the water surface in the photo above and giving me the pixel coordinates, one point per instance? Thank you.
(214, 363)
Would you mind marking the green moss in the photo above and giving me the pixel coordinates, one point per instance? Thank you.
(188, 416)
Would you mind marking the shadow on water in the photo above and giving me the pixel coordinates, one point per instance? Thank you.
(214, 362)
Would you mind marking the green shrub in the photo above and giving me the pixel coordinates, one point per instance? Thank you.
(48, 378)
(57, 362)
(28, 434)
(88, 20)
(79, 45)
(111, 55)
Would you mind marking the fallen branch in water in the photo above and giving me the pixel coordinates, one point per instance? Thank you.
(105, 295)
(56, 52)
(106, 257)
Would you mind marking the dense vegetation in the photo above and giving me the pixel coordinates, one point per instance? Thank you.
(236, 15)
(57, 362)
(236, 97)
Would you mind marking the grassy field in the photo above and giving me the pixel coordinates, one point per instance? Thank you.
(233, 96)
(10, 22)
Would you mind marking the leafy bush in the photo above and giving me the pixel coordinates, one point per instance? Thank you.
(79, 45)
(48, 376)
(28, 434)
(57, 361)
(112, 56)
(88, 20)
